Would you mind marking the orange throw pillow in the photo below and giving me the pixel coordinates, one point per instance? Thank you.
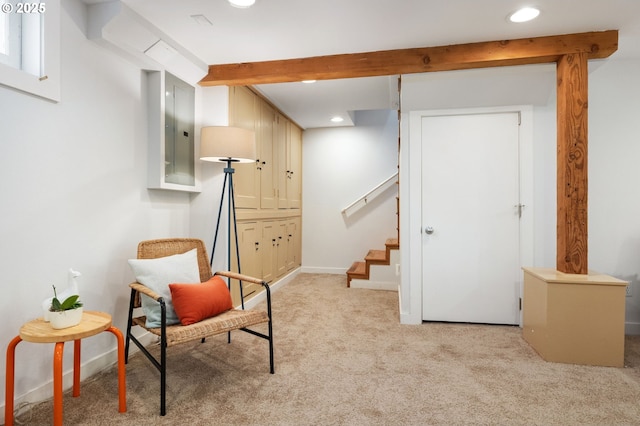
(195, 302)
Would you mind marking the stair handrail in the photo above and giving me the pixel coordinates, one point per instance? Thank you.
(372, 194)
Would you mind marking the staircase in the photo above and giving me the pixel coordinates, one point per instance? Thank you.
(363, 270)
(379, 266)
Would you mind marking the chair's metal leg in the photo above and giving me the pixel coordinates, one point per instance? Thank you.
(272, 369)
(268, 294)
(163, 359)
(129, 325)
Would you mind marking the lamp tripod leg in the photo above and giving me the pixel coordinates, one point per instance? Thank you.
(235, 232)
(215, 237)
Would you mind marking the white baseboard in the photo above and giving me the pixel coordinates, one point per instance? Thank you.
(251, 303)
(410, 319)
(374, 285)
(322, 270)
(632, 328)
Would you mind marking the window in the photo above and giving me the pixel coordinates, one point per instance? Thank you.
(4, 35)
(30, 47)
(22, 40)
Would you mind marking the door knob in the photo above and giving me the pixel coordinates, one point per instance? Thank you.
(429, 230)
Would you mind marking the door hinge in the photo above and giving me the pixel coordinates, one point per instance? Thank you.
(520, 303)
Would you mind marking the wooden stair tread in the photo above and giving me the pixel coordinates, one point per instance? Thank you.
(376, 256)
(392, 243)
(358, 268)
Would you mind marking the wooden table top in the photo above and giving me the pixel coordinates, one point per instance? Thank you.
(39, 331)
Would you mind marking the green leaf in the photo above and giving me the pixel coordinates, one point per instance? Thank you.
(70, 302)
(55, 305)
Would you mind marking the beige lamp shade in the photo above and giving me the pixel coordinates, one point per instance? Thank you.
(223, 143)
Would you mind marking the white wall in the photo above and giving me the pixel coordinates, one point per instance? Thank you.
(204, 205)
(614, 177)
(339, 166)
(544, 188)
(614, 207)
(73, 191)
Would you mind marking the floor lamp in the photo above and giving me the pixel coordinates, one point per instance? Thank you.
(228, 145)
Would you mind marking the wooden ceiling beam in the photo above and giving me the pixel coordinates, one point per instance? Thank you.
(526, 51)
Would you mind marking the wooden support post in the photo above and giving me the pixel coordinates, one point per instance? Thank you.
(572, 115)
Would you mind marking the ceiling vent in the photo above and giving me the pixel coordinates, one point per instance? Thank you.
(118, 28)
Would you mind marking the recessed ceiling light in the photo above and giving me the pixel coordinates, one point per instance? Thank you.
(308, 81)
(525, 14)
(337, 119)
(242, 4)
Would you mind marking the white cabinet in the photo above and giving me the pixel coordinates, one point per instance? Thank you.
(249, 236)
(294, 167)
(268, 252)
(244, 112)
(171, 133)
(293, 243)
(268, 248)
(268, 168)
(268, 193)
(289, 153)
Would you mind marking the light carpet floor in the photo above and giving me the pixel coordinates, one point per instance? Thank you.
(342, 358)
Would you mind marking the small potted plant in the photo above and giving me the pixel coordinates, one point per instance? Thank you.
(65, 314)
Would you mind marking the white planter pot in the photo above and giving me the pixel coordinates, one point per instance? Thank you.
(65, 319)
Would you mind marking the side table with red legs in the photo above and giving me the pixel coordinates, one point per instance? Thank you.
(39, 331)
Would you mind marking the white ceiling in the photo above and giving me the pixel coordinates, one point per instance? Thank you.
(285, 29)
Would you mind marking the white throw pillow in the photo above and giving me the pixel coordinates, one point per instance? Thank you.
(157, 274)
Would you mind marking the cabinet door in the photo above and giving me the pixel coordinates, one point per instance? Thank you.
(282, 135)
(289, 174)
(265, 157)
(249, 235)
(179, 127)
(281, 248)
(293, 243)
(268, 250)
(243, 109)
(294, 167)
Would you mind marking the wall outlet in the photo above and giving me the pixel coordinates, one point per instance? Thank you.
(397, 269)
(628, 290)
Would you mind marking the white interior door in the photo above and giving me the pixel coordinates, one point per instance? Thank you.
(470, 218)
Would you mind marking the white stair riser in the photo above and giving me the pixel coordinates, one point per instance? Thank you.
(381, 277)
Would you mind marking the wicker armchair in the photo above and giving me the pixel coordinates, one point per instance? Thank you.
(234, 319)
